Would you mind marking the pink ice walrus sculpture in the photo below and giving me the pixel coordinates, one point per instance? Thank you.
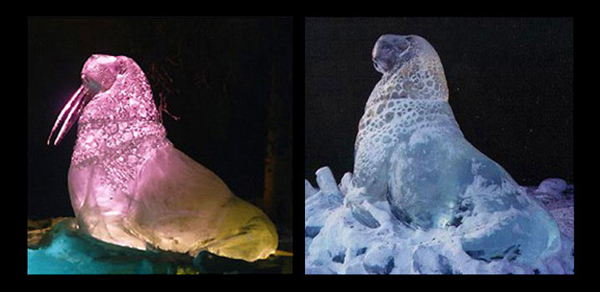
(131, 187)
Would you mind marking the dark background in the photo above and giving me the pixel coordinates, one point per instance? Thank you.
(510, 82)
(228, 80)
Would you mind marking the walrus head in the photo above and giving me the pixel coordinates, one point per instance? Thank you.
(98, 75)
(388, 49)
(411, 63)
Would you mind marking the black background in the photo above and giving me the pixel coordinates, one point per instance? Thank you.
(217, 76)
(510, 81)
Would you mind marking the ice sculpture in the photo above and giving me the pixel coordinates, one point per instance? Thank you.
(131, 187)
(67, 252)
(420, 192)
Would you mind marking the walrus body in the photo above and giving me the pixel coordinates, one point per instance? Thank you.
(131, 187)
(410, 151)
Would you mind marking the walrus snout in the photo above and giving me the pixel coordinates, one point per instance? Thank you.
(387, 49)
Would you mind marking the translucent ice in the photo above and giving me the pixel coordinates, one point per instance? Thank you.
(552, 186)
(72, 253)
(318, 205)
(130, 186)
(342, 245)
(421, 188)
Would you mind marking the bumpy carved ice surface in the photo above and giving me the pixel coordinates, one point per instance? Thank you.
(421, 198)
(131, 187)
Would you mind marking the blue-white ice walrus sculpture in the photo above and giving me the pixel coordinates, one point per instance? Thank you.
(411, 152)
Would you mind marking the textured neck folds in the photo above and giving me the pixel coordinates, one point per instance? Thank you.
(120, 128)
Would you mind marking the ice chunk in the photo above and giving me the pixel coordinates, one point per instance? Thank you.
(326, 181)
(428, 261)
(552, 186)
(318, 206)
(308, 189)
(345, 182)
(379, 259)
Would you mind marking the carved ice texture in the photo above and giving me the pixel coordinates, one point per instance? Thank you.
(422, 199)
(131, 187)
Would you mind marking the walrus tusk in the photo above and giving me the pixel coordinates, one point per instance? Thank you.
(73, 107)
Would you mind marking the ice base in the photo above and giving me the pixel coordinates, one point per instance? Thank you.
(63, 249)
(335, 243)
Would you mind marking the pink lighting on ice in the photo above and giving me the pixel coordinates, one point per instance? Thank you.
(131, 187)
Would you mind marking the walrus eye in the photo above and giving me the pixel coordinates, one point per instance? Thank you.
(376, 65)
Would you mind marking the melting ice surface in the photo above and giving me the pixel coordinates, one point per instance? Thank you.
(421, 199)
(336, 243)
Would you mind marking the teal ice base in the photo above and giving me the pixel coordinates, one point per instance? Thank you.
(71, 252)
(66, 250)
